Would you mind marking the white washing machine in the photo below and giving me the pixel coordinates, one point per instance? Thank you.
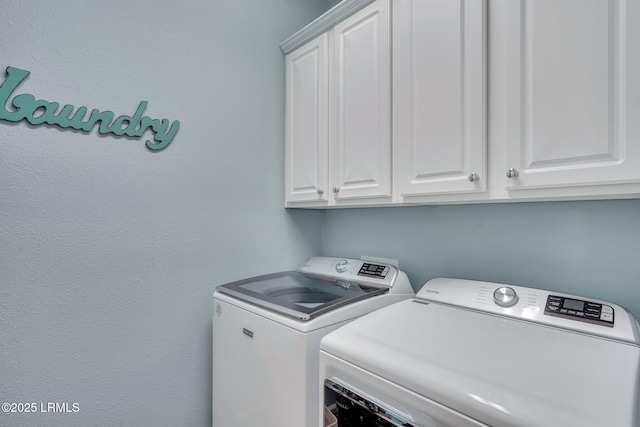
(467, 353)
(267, 331)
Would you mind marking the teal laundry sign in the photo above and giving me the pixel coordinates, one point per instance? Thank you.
(37, 112)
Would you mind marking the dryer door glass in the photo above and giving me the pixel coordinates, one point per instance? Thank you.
(353, 409)
(298, 295)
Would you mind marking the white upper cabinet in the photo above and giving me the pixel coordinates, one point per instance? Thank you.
(306, 138)
(439, 96)
(338, 111)
(572, 94)
(361, 105)
(464, 101)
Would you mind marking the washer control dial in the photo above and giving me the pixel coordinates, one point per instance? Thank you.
(505, 296)
(342, 266)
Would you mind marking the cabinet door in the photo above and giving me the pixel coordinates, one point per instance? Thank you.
(439, 84)
(572, 93)
(306, 92)
(361, 148)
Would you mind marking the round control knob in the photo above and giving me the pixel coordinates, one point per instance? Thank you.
(505, 296)
(342, 266)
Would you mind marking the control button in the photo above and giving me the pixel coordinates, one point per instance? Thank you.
(342, 266)
(580, 313)
(607, 317)
(553, 308)
(564, 311)
(572, 312)
(607, 309)
(505, 296)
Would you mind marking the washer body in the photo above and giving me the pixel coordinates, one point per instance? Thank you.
(267, 332)
(453, 356)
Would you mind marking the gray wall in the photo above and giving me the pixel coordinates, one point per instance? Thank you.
(109, 253)
(589, 248)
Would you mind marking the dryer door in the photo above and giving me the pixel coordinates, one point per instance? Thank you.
(359, 398)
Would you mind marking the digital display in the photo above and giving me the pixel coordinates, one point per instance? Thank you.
(373, 270)
(571, 304)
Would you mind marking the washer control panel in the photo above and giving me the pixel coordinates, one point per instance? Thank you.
(374, 270)
(582, 310)
(352, 271)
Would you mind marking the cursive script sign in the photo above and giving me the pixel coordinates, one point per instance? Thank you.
(37, 112)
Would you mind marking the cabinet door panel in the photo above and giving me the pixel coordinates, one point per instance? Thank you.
(361, 165)
(568, 93)
(306, 122)
(440, 82)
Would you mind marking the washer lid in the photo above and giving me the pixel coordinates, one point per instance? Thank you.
(498, 370)
(299, 295)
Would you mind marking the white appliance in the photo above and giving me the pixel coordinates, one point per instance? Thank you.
(267, 331)
(467, 353)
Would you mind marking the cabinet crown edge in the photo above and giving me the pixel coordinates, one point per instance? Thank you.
(323, 23)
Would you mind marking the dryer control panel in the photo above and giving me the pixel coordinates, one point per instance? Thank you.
(582, 310)
(555, 309)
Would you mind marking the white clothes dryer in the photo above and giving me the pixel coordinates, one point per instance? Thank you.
(466, 353)
(267, 331)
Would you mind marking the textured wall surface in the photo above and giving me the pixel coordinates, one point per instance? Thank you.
(109, 253)
(583, 248)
